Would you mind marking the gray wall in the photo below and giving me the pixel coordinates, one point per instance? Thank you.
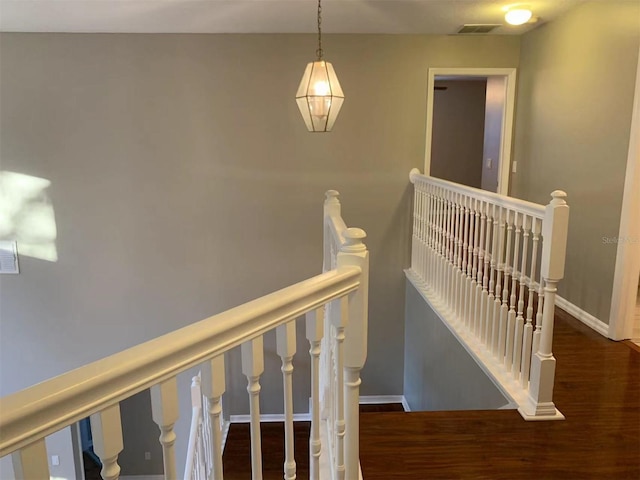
(137, 429)
(458, 131)
(439, 374)
(184, 183)
(575, 95)
(494, 108)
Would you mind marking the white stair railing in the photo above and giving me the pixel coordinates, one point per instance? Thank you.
(196, 464)
(96, 389)
(344, 349)
(476, 257)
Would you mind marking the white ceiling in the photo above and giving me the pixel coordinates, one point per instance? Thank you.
(264, 16)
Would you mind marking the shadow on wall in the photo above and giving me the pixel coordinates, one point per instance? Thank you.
(27, 215)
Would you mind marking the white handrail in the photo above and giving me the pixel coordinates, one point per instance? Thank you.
(529, 208)
(38, 411)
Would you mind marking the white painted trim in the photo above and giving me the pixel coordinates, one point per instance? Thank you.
(625, 280)
(270, 417)
(380, 399)
(507, 123)
(585, 317)
(384, 399)
(306, 417)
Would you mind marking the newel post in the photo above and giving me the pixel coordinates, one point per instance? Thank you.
(554, 247)
(354, 253)
(331, 209)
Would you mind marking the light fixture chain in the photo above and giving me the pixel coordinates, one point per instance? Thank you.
(319, 52)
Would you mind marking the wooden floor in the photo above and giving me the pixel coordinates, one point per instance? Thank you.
(237, 451)
(597, 389)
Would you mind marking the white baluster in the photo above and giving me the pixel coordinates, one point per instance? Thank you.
(417, 229)
(426, 232)
(106, 431)
(451, 266)
(433, 266)
(164, 409)
(192, 468)
(481, 287)
(315, 331)
(521, 340)
(213, 387)
(543, 363)
(30, 462)
(527, 346)
(472, 267)
(500, 321)
(339, 426)
(286, 347)
(509, 271)
(456, 268)
(486, 280)
(492, 329)
(540, 296)
(252, 368)
(462, 261)
(443, 245)
(514, 337)
(439, 242)
(469, 279)
(504, 308)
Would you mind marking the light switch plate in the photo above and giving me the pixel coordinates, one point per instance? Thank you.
(9, 257)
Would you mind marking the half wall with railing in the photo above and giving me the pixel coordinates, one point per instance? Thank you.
(490, 265)
(96, 389)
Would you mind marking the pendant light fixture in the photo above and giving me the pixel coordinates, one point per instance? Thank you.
(319, 96)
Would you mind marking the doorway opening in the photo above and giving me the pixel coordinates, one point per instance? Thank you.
(470, 126)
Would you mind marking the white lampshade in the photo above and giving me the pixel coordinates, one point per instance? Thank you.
(319, 96)
(518, 16)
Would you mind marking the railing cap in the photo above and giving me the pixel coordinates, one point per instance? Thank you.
(558, 197)
(353, 240)
(413, 174)
(331, 196)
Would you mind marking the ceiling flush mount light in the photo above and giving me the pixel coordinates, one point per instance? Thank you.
(518, 15)
(319, 96)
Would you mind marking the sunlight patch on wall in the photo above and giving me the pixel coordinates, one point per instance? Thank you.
(27, 215)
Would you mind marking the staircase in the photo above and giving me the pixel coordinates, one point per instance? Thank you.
(487, 264)
(337, 343)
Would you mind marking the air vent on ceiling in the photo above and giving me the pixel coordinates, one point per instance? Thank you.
(478, 28)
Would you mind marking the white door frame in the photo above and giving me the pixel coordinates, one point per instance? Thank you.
(507, 115)
(625, 280)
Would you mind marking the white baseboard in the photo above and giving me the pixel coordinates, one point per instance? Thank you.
(382, 399)
(306, 417)
(586, 318)
(270, 417)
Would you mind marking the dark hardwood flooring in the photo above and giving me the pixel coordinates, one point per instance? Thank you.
(237, 451)
(597, 389)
